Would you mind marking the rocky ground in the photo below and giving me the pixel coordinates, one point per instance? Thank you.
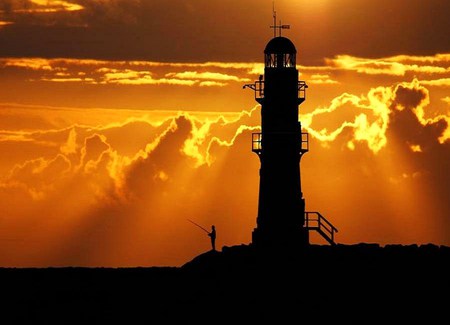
(343, 284)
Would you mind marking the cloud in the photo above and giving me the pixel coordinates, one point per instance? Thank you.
(140, 74)
(103, 12)
(125, 29)
(27, 63)
(40, 176)
(249, 66)
(131, 184)
(39, 6)
(391, 66)
(71, 145)
(212, 84)
(369, 123)
(423, 142)
(148, 80)
(418, 98)
(416, 148)
(370, 112)
(206, 75)
(443, 82)
(321, 79)
(128, 178)
(105, 66)
(83, 80)
(403, 174)
(133, 77)
(367, 66)
(53, 6)
(221, 74)
(48, 13)
(129, 73)
(185, 78)
(83, 147)
(5, 23)
(437, 58)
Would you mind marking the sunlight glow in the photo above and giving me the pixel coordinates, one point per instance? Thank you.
(56, 5)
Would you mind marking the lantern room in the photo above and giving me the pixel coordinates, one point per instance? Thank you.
(280, 53)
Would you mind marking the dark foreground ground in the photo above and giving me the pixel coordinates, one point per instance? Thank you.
(356, 284)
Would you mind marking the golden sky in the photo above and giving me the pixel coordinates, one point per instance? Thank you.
(121, 119)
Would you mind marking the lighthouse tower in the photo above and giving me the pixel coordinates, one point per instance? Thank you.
(280, 147)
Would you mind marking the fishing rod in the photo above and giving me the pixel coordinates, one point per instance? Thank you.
(198, 225)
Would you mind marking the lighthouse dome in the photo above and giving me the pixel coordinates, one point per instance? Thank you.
(278, 45)
(280, 53)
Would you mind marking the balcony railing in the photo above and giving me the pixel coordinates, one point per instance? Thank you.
(304, 144)
(302, 86)
(258, 88)
(257, 142)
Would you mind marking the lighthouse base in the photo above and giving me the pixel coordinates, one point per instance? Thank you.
(286, 239)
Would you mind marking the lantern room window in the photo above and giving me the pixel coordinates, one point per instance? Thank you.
(282, 60)
(280, 53)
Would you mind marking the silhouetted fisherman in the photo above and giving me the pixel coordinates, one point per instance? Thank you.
(212, 235)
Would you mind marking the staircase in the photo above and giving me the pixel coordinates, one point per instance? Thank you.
(315, 221)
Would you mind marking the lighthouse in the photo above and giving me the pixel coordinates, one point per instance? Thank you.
(280, 146)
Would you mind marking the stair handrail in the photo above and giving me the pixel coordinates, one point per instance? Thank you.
(322, 222)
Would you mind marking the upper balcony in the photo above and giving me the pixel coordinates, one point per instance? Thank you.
(258, 88)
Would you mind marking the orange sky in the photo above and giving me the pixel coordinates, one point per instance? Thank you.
(121, 119)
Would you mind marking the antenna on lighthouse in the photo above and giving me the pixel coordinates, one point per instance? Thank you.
(274, 14)
(275, 26)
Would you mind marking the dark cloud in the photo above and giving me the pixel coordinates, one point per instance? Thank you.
(409, 98)
(143, 133)
(15, 121)
(6, 6)
(105, 12)
(94, 146)
(18, 151)
(160, 163)
(431, 163)
(227, 30)
(40, 173)
(399, 194)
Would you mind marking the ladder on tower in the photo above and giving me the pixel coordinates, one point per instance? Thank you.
(315, 221)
